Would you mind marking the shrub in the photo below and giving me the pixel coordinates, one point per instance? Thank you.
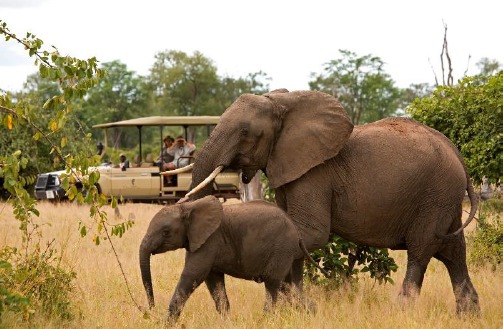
(486, 243)
(10, 301)
(35, 283)
(344, 260)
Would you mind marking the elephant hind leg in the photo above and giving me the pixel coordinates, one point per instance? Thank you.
(292, 285)
(272, 287)
(414, 276)
(216, 285)
(453, 255)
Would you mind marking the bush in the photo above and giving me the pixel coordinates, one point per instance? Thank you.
(344, 260)
(34, 283)
(470, 115)
(486, 244)
(10, 301)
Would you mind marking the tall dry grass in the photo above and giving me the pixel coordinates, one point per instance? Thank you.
(102, 301)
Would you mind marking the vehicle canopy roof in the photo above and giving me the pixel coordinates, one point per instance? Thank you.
(163, 121)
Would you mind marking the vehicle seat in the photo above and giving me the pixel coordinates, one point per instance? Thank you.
(136, 161)
(149, 160)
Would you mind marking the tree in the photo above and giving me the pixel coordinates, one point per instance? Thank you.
(415, 90)
(470, 114)
(183, 84)
(120, 95)
(363, 88)
(36, 91)
(488, 67)
(189, 85)
(230, 88)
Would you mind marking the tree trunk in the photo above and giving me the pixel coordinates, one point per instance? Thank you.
(252, 190)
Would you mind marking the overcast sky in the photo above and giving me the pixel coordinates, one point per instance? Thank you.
(288, 40)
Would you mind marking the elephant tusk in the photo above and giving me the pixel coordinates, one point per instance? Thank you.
(206, 181)
(177, 171)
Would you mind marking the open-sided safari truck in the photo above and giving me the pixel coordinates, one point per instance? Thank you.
(143, 180)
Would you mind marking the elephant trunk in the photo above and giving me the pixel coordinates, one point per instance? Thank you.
(216, 151)
(146, 276)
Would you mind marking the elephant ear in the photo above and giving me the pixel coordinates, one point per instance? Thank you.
(203, 217)
(314, 128)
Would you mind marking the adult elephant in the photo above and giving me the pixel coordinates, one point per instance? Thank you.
(392, 184)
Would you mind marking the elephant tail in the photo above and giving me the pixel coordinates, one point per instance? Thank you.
(308, 256)
(474, 201)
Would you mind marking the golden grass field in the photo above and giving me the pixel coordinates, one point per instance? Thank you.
(102, 300)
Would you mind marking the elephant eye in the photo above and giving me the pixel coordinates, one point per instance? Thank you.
(165, 233)
(244, 132)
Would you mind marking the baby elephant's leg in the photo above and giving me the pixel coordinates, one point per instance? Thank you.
(216, 285)
(272, 287)
(186, 285)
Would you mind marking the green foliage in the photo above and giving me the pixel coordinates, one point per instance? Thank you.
(344, 260)
(120, 95)
(486, 243)
(34, 283)
(268, 193)
(363, 88)
(184, 84)
(69, 137)
(470, 114)
(54, 125)
(9, 300)
(15, 183)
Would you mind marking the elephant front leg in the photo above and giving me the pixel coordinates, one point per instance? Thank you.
(216, 285)
(183, 290)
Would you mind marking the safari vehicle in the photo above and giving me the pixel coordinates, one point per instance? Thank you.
(143, 180)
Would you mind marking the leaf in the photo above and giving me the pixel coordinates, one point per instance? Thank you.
(54, 126)
(43, 70)
(83, 231)
(9, 122)
(37, 136)
(4, 264)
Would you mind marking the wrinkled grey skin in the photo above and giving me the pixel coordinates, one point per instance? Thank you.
(392, 184)
(253, 241)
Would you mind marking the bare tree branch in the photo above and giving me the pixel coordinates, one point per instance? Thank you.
(434, 73)
(450, 79)
(467, 65)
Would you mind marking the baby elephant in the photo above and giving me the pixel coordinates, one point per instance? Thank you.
(253, 241)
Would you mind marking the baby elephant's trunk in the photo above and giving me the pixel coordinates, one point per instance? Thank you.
(146, 276)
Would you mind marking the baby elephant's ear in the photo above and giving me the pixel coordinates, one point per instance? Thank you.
(203, 218)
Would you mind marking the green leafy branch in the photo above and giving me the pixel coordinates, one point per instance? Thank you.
(74, 77)
(344, 260)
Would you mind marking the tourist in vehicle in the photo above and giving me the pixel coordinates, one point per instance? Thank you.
(180, 148)
(124, 162)
(164, 156)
